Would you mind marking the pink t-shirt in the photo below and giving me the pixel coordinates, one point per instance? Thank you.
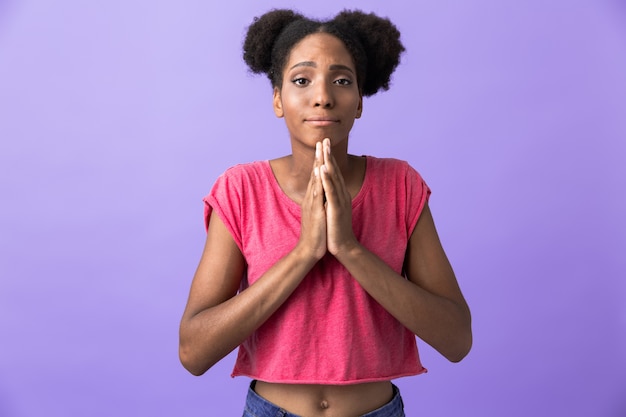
(329, 331)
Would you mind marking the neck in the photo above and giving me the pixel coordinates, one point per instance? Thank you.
(302, 159)
(293, 172)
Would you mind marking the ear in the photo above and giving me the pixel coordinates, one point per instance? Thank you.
(278, 103)
(359, 109)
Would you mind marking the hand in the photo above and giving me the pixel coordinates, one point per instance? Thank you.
(339, 233)
(313, 223)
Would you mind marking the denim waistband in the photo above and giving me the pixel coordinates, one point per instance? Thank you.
(257, 406)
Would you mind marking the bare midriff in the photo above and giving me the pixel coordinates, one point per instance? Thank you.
(327, 400)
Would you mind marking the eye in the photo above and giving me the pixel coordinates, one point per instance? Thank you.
(343, 81)
(300, 81)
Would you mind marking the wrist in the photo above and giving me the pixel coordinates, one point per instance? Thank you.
(348, 251)
(306, 254)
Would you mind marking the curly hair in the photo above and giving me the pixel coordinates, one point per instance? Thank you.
(372, 41)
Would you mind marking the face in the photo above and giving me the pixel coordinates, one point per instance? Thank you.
(319, 97)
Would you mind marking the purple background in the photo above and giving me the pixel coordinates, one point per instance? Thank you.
(117, 116)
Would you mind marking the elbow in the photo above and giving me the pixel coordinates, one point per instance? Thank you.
(461, 344)
(458, 355)
(461, 348)
(190, 362)
(195, 371)
(197, 356)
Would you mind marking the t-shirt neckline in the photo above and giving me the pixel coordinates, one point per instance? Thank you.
(358, 198)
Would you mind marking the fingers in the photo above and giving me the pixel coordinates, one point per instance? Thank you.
(318, 190)
(314, 188)
(313, 216)
(339, 233)
(332, 179)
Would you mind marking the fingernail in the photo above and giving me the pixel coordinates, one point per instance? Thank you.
(316, 171)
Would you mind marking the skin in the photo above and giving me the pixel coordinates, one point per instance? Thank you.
(320, 101)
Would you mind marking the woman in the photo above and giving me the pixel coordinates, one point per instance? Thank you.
(320, 265)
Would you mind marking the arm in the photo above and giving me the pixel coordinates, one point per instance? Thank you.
(429, 302)
(217, 319)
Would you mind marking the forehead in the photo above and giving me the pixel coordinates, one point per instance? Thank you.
(320, 47)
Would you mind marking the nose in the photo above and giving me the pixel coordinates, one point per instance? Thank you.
(323, 96)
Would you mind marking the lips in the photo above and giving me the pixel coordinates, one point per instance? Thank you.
(321, 120)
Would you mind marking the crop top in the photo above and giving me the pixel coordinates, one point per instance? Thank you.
(329, 330)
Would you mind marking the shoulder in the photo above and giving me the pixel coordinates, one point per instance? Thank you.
(245, 169)
(239, 179)
(390, 167)
(397, 176)
(242, 175)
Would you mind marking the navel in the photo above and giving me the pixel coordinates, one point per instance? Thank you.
(324, 405)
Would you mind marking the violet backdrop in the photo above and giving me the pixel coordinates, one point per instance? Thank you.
(116, 117)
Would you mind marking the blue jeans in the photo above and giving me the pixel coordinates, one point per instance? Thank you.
(257, 406)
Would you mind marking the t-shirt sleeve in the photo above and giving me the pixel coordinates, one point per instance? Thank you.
(225, 199)
(417, 195)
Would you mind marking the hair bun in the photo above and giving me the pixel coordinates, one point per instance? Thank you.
(381, 41)
(262, 35)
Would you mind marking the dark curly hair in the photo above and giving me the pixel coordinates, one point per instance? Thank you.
(373, 42)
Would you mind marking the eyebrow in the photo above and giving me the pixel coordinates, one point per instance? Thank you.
(334, 67)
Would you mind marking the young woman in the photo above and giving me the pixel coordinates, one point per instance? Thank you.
(320, 265)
